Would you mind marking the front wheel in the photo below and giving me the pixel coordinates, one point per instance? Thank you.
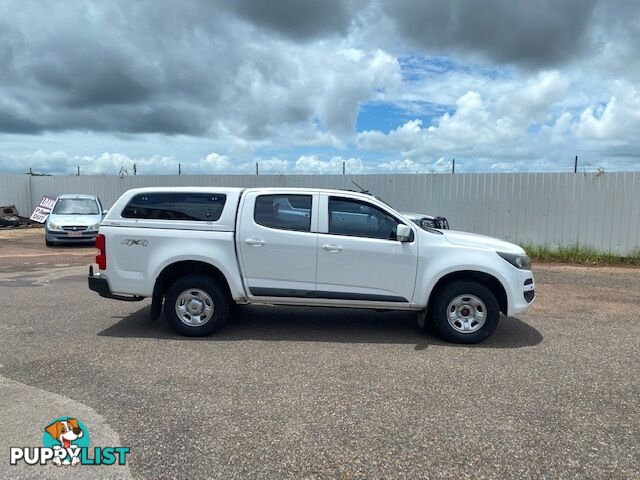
(465, 312)
(196, 306)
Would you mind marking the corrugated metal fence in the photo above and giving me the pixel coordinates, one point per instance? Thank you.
(16, 190)
(600, 211)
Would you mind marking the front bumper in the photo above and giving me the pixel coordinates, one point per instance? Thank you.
(523, 291)
(100, 285)
(63, 237)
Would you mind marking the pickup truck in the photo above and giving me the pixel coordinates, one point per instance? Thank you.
(200, 250)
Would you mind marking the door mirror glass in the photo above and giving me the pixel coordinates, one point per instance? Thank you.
(403, 233)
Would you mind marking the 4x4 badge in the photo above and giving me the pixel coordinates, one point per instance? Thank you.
(130, 242)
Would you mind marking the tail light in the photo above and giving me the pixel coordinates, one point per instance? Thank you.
(101, 258)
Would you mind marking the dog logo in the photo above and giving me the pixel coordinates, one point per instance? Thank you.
(65, 441)
(66, 434)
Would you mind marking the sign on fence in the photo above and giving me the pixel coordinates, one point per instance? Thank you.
(43, 209)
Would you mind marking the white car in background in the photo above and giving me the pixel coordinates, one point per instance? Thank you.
(74, 219)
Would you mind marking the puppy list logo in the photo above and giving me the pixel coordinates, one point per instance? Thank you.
(65, 442)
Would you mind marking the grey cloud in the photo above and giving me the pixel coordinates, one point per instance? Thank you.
(533, 33)
(202, 67)
(10, 122)
(161, 66)
(295, 18)
(91, 77)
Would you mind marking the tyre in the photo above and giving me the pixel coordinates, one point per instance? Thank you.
(196, 306)
(48, 243)
(465, 312)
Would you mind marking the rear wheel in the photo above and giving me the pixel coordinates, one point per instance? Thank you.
(196, 306)
(465, 312)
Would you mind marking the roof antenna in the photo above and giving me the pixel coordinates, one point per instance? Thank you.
(362, 190)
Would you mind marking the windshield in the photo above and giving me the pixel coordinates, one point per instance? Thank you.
(76, 206)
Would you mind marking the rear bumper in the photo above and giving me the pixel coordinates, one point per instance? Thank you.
(100, 285)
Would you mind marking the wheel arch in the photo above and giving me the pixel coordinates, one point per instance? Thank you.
(490, 281)
(182, 268)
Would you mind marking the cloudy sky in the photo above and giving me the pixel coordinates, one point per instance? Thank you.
(301, 86)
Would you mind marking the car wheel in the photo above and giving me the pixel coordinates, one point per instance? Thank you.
(465, 312)
(48, 243)
(196, 306)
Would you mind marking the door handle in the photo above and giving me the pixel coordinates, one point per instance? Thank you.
(332, 248)
(255, 242)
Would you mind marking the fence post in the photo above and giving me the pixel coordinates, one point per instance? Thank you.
(257, 169)
(78, 170)
(179, 169)
(343, 166)
(453, 166)
(31, 202)
(575, 165)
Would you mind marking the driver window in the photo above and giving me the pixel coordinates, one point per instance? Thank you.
(360, 219)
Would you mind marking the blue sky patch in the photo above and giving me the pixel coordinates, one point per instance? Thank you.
(416, 68)
(385, 116)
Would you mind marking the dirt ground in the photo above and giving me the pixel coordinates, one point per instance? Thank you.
(325, 393)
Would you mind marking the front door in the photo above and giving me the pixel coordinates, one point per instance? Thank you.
(359, 257)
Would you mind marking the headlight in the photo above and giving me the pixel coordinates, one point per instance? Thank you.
(523, 262)
(53, 226)
(95, 227)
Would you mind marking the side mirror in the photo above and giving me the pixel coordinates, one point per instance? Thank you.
(403, 233)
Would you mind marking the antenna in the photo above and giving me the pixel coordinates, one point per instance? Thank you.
(362, 190)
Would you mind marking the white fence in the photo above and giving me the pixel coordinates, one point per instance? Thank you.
(599, 211)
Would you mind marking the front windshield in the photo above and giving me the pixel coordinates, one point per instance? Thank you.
(76, 206)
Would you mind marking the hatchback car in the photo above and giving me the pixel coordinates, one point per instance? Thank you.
(74, 219)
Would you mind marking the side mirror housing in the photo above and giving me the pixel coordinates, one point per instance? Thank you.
(403, 233)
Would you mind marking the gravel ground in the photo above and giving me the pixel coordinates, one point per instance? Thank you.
(327, 393)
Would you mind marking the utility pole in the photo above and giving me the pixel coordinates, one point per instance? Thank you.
(257, 169)
(453, 166)
(575, 165)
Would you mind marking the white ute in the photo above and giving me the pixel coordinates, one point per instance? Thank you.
(199, 250)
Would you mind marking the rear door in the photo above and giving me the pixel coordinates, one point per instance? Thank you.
(277, 243)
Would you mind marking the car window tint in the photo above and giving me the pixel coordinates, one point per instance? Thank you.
(287, 212)
(360, 219)
(203, 207)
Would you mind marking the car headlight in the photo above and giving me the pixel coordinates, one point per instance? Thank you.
(95, 227)
(53, 226)
(523, 262)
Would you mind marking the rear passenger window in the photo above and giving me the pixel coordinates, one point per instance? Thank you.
(202, 207)
(287, 212)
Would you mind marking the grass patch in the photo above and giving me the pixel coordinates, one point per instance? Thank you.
(578, 254)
